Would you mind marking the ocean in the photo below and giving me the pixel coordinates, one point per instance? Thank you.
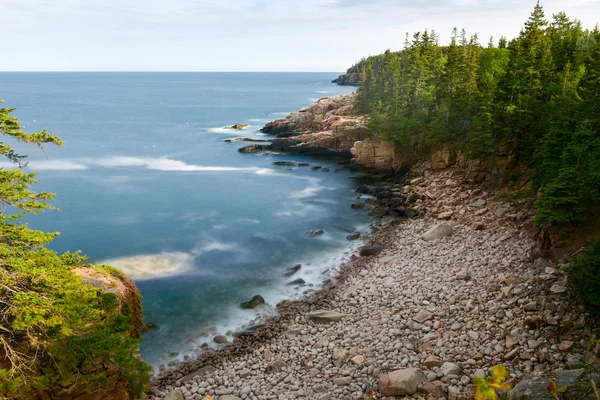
(146, 183)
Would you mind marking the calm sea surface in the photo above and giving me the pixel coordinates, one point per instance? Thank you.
(146, 183)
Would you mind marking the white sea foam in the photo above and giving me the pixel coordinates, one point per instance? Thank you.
(151, 163)
(322, 91)
(150, 266)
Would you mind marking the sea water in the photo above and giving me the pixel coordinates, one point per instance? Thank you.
(146, 183)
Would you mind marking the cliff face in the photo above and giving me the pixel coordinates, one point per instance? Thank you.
(380, 155)
(351, 79)
(330, 126)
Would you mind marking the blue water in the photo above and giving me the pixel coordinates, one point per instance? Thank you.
(146, 182)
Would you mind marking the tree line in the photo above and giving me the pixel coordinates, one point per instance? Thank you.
(536, 96)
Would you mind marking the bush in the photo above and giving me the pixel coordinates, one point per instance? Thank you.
(585, 275)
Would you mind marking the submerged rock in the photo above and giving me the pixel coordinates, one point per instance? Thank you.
(316, 167)
(298, 281)
(149, 326)
(316, 232)
(292, 270)
(254, 302)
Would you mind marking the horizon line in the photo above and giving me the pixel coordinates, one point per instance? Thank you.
(171, 71)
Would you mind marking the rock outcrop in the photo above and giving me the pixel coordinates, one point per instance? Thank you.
(351, 79)
(379, 155)
(330, 126)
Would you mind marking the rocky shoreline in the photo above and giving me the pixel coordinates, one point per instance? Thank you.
(431, 302)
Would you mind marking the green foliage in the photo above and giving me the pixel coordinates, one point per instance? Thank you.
(585, 275)
(55, 329)
(537, 95)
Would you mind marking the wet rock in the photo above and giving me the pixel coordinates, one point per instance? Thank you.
(325, 316)
(237, 127)
(403, 382)
(315, 168)
(220, 339)
(358, 205)
(371, 250)
(353, 236)
(362, 190)
(285, 163)
(316, 232)
(254, 302)
(253, 148)
(292, 270)
(298, 281)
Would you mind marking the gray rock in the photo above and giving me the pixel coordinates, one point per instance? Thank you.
(298, 281)
(437, 232)
(345, 381)
(229, 397)
(325, 316)
(534, 387)
(449, 368)
(479, 203)
(403, 382)
(316, 232)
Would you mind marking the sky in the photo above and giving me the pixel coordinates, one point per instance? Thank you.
(242, 35)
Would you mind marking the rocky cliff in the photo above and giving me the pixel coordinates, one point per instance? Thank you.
(351, 79)
(330, 126)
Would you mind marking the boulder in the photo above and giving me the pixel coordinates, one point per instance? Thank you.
(449, 368)
(254, 302)
(403, 382)
(220, 339)
(325, 316)
(371, 250)
(316, 232)
(298, 281)
(438, 232)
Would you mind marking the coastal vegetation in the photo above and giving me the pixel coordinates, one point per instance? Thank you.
(535, 99)
(67, 327)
